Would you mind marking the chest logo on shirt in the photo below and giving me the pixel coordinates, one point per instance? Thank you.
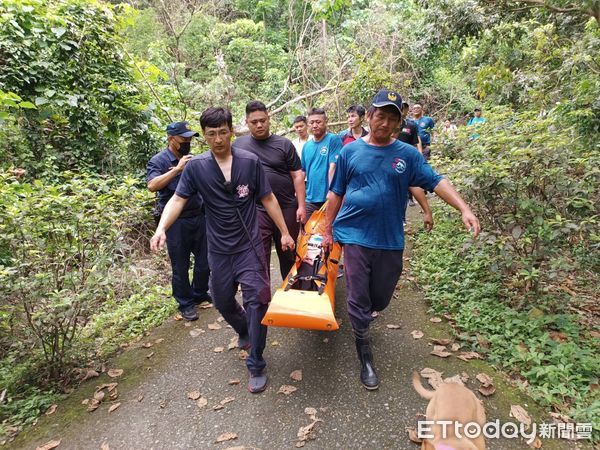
(399, 165)
(323, 151)
(243, 190)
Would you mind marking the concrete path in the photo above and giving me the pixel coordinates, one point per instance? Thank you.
(156, 413)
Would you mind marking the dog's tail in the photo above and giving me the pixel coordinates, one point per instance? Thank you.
(416, 379)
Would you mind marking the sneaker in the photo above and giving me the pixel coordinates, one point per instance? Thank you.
(205, 298)
(257, 382)
(244, 342)
(189, 314)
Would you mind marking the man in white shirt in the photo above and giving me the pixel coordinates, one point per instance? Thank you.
(301, 129)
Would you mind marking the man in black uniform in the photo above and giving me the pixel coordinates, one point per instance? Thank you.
(187, 235)
(231, 182)
(284, 172)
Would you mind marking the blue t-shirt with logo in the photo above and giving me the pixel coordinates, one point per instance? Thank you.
(316, 158)
(426, 125)
(375, 182)
(476, 120)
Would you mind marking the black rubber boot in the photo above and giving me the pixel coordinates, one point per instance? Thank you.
(368, 377)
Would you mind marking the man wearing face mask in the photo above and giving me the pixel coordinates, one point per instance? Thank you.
(187, 235)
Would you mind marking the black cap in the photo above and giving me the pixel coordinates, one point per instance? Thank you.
(180, 129)
(385, 97)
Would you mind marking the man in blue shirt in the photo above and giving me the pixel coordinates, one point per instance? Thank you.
(476, 118)
(319, 157)
(231, 182)
(426, 125)
(372, 179)
(187, 235)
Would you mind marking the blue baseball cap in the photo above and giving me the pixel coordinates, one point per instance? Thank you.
(181, 129)
(386, 97)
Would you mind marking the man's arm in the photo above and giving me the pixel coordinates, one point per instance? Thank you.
(170, 214)
(421, 198)
(330, 174)
(271, 205)
(300, 188)
(448, 193)
(334, 203)
(161, 181)
(419, 144)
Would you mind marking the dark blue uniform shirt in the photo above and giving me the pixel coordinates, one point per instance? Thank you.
(202, 175)
(159, 165)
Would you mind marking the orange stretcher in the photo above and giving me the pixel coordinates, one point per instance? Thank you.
(306, 298)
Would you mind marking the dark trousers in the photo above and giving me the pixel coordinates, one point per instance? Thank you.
(426, 151)
(312, 207)
(371, 277)
(186, 237)
(245, 269)
(269, 232)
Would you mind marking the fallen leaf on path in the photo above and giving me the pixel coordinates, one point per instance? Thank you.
(162, 404)
(440, 350)
(519, 413)
(435, 320)
(226, 437)
(466, 356)
(412, 435)
(455, 347)
(196, 332)
(484, 379)
(140, 397)
(202, 402)
(113, 395)
(537, 443)
(93, 405)
(274, 343)
(307, 432)
(220, 319)
(300, 444)
(194, 395)
(310, 411)
(233, 382)
(559, 418)
(150, 355)
(434, 378)
(104, 446)
(218, 407)
(49, 445)
(455, 379)
(392, 326)
(487, 390)
(443, 342)
(417, 334)
(99, 395)
(227, 400)
(243, 355)
(90, 373)
(232, 343)
(205, 305)
(178, 317)
(114, 373)
(108, 386)
(464, 376)
(287, 389)
(85, 402)
(147, 344)
(187, 324)
(218, 349)
(158, 341)
(51, 410)
(214, 326)
(296, 375)
(113, 407)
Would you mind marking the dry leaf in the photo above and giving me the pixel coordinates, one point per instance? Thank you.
(107, 386)
(218, 349)
(140, 397)
(487, 390)
(464, 376)
(243, 355)
(113, 373)
(205, 305)
(99, 395)
(90, 373)
(85, 402)
(310, 411)
(232, 343)
(113, 407)
(227, 400)
(286, 389)
(466, 356)
(443, 342)
(455, 347)
(49, 445)
(484, 379)
(412, 435)
(220, 319)
(196, 332)
(537, 443)
(226, 437)
(93, 405)
(274, 343)
(434, 378)
(233, 382)
(519, 413)
(417, 334)
(162, 404)
(158, 341)
(218, 407)
(51, 410)
(296, 375)
(392, 326)
(300, 444)
(435, 320)
(147, 344)
(194, 395)
(455, 379)
(559, 418)
(202, 402)
(214, 326)
(178, 317)
(440, 350)
(104, 446)
(114, 395)
(150, 355)
(306, 432)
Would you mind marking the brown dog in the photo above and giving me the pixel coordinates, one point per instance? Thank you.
(456, 403)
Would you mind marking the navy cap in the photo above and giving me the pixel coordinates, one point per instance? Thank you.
(180, 129)
(385, 97)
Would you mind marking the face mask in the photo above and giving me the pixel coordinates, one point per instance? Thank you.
(184, 148)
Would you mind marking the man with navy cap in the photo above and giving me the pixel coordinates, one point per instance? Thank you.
(372, 178)
(187, 235)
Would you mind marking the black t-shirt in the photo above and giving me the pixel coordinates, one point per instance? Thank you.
(248, 185)
(278, 157)
(409, 133)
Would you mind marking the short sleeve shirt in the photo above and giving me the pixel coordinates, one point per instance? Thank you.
(202, 175)
(316, 158)
(278, 157)
(409, 133)
(426, 125)
(375, 182)
(159, 165)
